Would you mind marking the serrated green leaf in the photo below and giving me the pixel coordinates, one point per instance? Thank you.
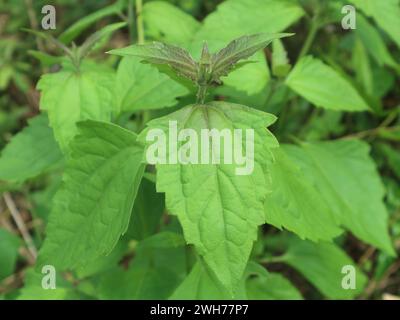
(70, 96)
(31, 152)
(238, 49)
(346, 178)
(323, 86)
(322, 263)
(218, 209)
(9, 244)
(296, 205)
(159, 53)
(141, 87)
(92, 209)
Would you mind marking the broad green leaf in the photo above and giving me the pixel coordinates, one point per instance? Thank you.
(235, 18)
(323, 86)
(263, 285)
(386, 13)
(296, 204)
(374, 43)
(93, 206)
(346, 178)
(30, 152)
(165, 22)
(70, 96)
(241, 48)
(9, 244)
(156, 270)
(77, 28)
(147, 211)
(218, 209)
(159, 53)
(141, 87)
(322, 263)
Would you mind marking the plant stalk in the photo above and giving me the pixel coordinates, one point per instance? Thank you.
(310, 36)
(139, 21)
(201, 94)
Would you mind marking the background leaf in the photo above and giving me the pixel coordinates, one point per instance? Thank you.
(141, 87)
(296, 205)
(92, 209)
(323, 86)
(346, 178)
(69, 96)
(322, 265)
(31, 152)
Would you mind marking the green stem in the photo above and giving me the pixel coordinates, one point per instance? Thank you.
(201, 94)
(276, 259)
(145, 115)
(130, 20)
(310, 37)
(139, 21)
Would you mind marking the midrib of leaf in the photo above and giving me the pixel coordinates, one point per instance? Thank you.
(226, 61)
(217, 169)
(183, 62)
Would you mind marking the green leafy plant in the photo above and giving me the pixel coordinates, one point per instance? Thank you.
(323, 193)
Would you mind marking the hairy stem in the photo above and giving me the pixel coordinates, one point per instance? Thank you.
(34, 23)
(201, 94)
(139, 21)
(130, 20)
